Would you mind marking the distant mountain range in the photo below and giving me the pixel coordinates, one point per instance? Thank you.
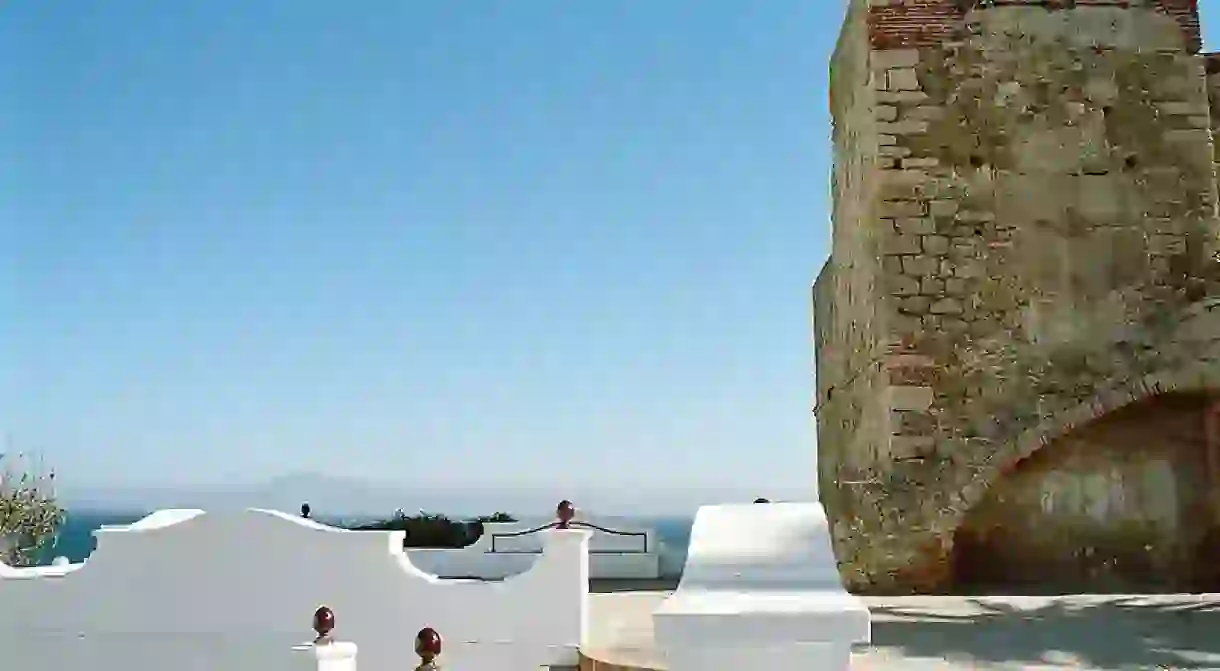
(343, 496)
(352, 497)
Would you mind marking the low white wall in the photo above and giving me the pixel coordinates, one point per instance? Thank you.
(182, 589)
(625, 551)
(334, 656)
(760, 589)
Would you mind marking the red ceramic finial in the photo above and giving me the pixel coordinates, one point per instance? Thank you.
(323, 624)
(427, 646)
(565, 511)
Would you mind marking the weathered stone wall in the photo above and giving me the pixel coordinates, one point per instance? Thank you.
(824, 329)
(1040, 211)
(846, 294)
(1113, 506)
(1212, 67)
(898, 24)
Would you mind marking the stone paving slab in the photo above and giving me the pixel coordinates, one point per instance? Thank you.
(1001, 632)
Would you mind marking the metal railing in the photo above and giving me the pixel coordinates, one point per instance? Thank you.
(565, 513)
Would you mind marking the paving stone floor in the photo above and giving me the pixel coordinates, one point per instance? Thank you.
(1013, 632)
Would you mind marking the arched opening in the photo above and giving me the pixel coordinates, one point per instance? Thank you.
(1125, 503)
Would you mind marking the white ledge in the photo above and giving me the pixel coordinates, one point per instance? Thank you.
(760, 577)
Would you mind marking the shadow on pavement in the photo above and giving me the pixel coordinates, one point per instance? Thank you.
(1114, 632)
(601, 586)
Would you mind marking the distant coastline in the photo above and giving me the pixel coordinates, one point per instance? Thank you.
(75, 540)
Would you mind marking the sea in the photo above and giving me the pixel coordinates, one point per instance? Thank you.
(76, 542)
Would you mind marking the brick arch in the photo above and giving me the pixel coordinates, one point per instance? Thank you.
(1198, 373)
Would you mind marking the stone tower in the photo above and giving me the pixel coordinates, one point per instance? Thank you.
(1014, 333)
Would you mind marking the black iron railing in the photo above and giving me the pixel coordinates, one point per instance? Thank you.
(574, 524)
(565, 512)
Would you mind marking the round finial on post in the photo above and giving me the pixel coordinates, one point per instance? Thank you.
(323, 624)
(761, 500)
(428, 647)
(305, 510)
(565, 511)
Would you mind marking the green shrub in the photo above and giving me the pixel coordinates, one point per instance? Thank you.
(30, 515)
(430, 530)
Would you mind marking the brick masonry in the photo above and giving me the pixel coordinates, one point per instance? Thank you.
(896, 24)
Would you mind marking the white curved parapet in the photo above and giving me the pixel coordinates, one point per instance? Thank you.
(235, 591)
(617, 550)
(760, 589)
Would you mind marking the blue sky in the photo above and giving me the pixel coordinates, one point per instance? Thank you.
(526, 242)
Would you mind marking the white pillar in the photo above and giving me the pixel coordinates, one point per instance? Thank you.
(335, 656)
(564, 564)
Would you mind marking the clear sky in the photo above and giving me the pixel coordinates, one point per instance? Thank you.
(522, 241)
(517, 241)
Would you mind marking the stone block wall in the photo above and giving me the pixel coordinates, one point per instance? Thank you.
(1212, 67)
(1025, 195)
(848, 334)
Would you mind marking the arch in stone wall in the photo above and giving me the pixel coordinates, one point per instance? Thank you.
(1198, 331)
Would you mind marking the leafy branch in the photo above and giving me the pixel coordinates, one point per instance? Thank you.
(30, 515)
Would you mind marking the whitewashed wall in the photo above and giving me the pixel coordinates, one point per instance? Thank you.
(631, 554)
(186, 590)
(333, 656)
(760, 590)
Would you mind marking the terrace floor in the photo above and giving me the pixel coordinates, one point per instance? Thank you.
(1164, 631)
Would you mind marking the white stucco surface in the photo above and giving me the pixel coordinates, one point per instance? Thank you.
(625, 552)
(336, 656)
(236, 591)
(760, 586)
